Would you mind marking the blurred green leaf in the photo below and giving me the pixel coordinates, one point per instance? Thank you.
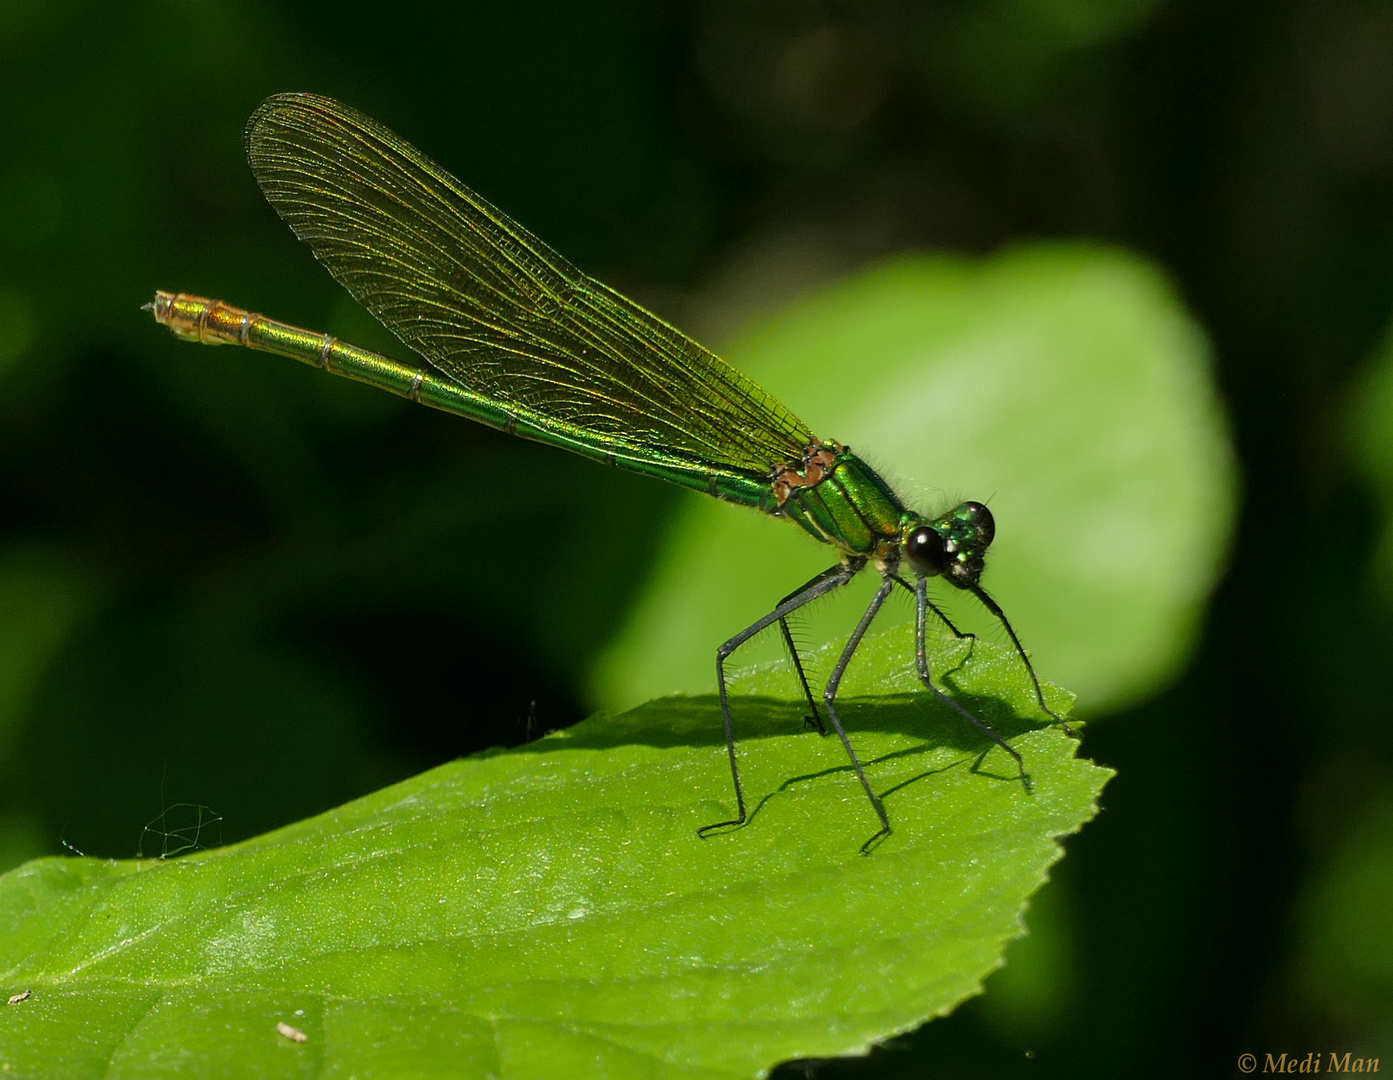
(42, 600)
(1372, 419)
(550, 911)
(150, 709)
(1009, 57)
(1344, 969)
(16, 327)
(1371, 432)
(1035, 992)
(1065, 385)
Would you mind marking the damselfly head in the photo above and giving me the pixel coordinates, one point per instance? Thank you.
(953, 545)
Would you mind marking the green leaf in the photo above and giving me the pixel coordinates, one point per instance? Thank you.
(1009, 59)
(1065, 385)
(550, 911)
(1344, 957)
(1370, 429)
(16, 327)
(42, 601)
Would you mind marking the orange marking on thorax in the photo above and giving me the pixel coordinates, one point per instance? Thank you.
(819, 459)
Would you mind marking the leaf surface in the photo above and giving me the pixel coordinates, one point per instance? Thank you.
(550, 911)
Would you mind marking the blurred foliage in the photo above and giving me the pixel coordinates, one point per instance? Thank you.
(1371, 439)
(1344, 969)
(228, 582)
(598, 934)
(1062, 385)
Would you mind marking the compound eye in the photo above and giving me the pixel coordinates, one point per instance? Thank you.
(925, 550)
(981, 519)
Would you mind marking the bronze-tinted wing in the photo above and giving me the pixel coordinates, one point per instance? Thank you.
(497, 310)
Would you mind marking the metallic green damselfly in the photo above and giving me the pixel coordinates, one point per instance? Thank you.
(524, 342)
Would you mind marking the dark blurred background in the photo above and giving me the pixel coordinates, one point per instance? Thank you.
(238, 587)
